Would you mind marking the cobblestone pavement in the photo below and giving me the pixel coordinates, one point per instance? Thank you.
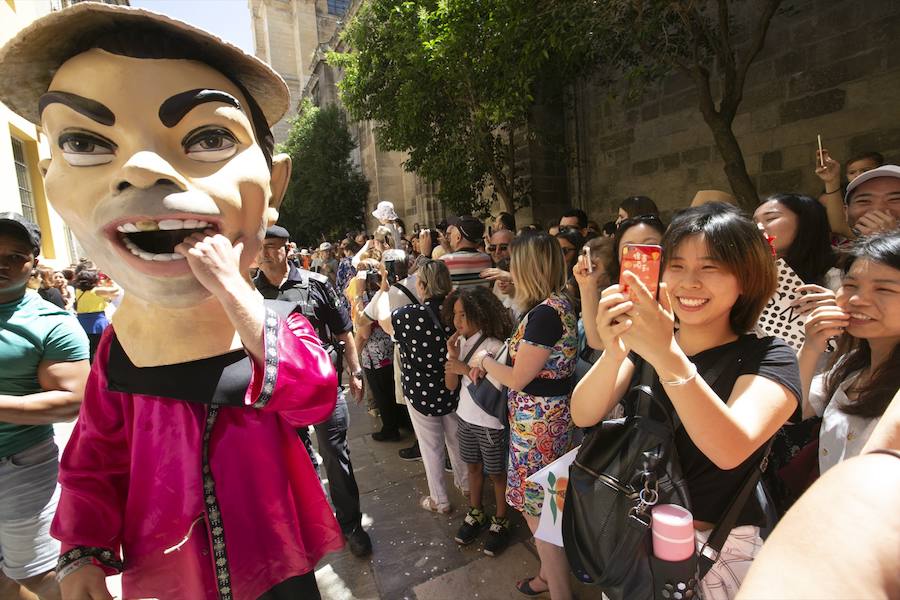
(414, 555)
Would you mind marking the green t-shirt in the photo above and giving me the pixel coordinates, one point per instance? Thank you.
(33, 330)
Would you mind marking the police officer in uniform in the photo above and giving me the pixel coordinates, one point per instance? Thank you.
(317, 300)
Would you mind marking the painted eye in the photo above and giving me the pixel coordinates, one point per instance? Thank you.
(211, 145)
(85, 150)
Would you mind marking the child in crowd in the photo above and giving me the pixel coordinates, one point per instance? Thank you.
(864, 373)
(717, 276)
(481, 322)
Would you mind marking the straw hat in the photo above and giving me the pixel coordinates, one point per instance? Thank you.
(707, 196)
(30, 59)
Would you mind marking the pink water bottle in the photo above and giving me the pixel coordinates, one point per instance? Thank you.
(673, 532)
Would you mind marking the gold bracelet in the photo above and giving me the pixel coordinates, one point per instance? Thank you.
(681, 381)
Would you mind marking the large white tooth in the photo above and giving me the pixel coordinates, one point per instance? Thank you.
(129, 228)
(171, 224)
(175, 256)
(202, 224)
(121, 228)
(145, 255)
(134, 250)
(162, 257)
(129, 244)
(191, 223)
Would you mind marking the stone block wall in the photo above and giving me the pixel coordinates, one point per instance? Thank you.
(832, 68)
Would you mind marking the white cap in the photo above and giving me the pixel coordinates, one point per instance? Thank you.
(325, 246)
(882, 171)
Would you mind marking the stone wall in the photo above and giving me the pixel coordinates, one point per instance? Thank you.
(833, 68)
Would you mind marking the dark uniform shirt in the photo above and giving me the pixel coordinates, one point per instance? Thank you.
(316, 300)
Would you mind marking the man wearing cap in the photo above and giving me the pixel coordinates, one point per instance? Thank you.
(185, 471)
(315, 298)
(466, 262)
(44, 353)
(329, 262)
(873, 201)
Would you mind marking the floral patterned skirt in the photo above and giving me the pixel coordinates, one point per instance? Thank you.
(540, 432)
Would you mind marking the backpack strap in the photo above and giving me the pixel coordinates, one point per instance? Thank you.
(409, 294)
(709, 552)
(471, 352)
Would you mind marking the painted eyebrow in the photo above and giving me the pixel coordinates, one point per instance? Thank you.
(85, 106)
(173, 109)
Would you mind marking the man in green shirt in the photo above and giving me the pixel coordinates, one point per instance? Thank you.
(43, 370)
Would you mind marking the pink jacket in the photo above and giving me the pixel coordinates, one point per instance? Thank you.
(205, 502)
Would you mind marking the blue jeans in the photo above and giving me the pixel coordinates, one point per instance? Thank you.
(331, 436)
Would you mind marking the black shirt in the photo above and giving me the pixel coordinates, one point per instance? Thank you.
(52, 295)
(712, 488)
(315, 297)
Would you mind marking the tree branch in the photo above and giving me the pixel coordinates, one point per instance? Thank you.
(756, 45)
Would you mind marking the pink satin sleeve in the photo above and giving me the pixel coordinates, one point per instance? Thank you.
(297, 380)
(94, 474)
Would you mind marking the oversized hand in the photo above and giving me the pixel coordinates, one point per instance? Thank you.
(830, 174)
(812, 296)
(215, 262)
(652, 328)
(87, 583)
(612, 321)
(824, 323)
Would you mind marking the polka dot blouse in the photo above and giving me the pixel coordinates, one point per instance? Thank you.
(423, 352)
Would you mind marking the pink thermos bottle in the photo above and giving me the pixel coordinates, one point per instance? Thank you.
(673, 532)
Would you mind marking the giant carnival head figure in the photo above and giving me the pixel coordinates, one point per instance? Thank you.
(156, 130)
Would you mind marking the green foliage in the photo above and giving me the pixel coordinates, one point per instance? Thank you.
(327, 194)
(449, 81)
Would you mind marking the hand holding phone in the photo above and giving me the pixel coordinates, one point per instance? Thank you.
(586, 252)
(643, 260)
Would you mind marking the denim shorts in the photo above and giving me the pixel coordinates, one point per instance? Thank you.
(28, 498)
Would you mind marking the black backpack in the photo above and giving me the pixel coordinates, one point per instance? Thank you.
(623, 469)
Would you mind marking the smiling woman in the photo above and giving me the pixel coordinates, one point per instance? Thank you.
(731, 390)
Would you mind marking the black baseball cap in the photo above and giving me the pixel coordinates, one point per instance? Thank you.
(20, 224)
(276, 231)
(469, 227)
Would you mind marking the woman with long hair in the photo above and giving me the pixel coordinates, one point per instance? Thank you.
(422, 339)
(863, 375)
(643, 229)
(48, 291)
(91, 300)
(543, 350)
(717, 276)
(636, 206)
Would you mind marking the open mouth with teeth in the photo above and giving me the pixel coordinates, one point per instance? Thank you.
(155, 240)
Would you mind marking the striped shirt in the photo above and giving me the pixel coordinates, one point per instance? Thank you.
(465, 265)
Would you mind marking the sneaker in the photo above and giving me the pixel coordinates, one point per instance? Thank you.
(498, 537)
(359, 542)
(471, 527)
(411, 453)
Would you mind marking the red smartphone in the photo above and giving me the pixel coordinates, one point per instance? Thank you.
(644, 261)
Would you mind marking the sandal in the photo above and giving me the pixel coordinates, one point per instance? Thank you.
(430, 505)
(524, 587)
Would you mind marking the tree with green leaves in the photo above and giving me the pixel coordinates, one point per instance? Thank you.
(452, 84)
(646, 40)
(327, 194)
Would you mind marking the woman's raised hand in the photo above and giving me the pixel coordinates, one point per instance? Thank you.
(613, 321)
(813, 296)
(586, 278)
(824, 323)
(652, 322)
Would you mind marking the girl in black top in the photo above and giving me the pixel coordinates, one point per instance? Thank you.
(718, 274)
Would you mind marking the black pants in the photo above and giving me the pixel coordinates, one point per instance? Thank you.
(393, 415)
(331, 436)
(302, 587)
